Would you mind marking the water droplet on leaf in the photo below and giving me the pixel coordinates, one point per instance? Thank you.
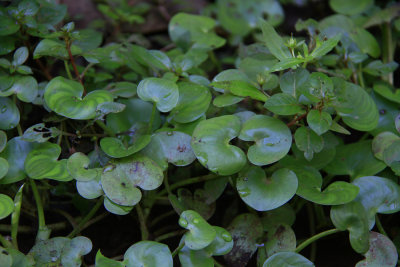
(227, 237)
(244, 192)
(183, 222)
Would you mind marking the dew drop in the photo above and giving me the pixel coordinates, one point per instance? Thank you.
(244, 192)
(170, 133)
(226, 237)
(182, 222)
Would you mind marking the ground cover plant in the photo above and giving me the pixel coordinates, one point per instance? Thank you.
(227, 138)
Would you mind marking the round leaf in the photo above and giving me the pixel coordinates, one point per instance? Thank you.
(264, 194)
(170, 147)
(308, 141)
(222, 244)
(200, 234)
(194, 100)
(6, 206)
(77, 166)
(287, 259)
(42, 163)
(9, 114)
(72, 253)
(25, 87)
(382, 252)
(163, 92)
(210, 143)
(148, 253)
(350, 7)
(3, 167)
(383, 141)
(319, 121)
(272, 138)
(3, 140)
(102, 261)
(115, 208)
(64, 97)
(391, 156)
(90, 189)
(195, 258)
(114, 147)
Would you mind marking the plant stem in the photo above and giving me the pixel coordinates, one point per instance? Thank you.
(169, 235)
(91, 213)
(161, 217)
(36, 195)
(379, 225)
(176, 251)
(67, 70)
(153, 114)
(193, 180)
(105, 128)
(388, 51)
(166, 184)
(143, 228)
(15, 216)
(314, 238)
(71, 58)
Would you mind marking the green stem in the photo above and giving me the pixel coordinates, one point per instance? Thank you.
(91, 213)
(315, 238)
(153, 115)
(36, 195)
(15, 216)
(5, 242)
(67, 70)
(166, 184)
(143, 228)
(169, 235)
(193, 180)
(215, 61)
(105, 128)
(388, 49)
(161, 217)
(360, 76)
(379, 225)
(176, 251)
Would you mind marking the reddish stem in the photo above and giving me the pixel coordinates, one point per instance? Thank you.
(71, 57)
(296, 119)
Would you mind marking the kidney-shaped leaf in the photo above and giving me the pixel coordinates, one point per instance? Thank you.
(25, 87)
(148, 253)
(222, 244)
(115, 208)
(72, 253)
(263, 193)
(280, 238)
(170, 147)
(382, 252)
(308, 141)
(200, 234)
(383, 141)
(210, 143)
(64, 97)
(163, 92)
(377, 195)
(9, 114)
(6, 206)
(352, 217)
(102, 261)
(78, 167)
(42, 163)
(195, 258)
(287, 259)
(272, 138)
(114, 147)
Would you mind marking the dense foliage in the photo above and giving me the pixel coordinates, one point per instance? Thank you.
(227, 143)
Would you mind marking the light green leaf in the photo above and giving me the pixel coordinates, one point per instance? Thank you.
(40, 133)
(20, 56)
(262, 193)
(115, 208)
(350, 7)
(54, 48)
(115, 148)
(226, 100)
(6, 206)
(148, 253)
(272, 138)
(287, 259)
(64, 97)
(326, 46)
(291, 81)
(102, 261)
(241, 88)
(78, 167)
(25, 87)
(283, 104)
(319, 121)
(163, 92)
(274, 42)
(210, 143)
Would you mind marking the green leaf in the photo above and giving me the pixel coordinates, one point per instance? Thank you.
(3, 140)
(365, 41)
(319, 121)
(170, 147)
(356, 107)
(241, 88)
(246, 229)
(102, 261)
(210, 143)
(15, 153)
(194, 100)
(78, 247)
(274, 42)
(350, 7)
(124, 89)
(20, 56)
(6, 206)
(291, 81)
(287, 63)
(378, 195)
(272, 139)
(226, 100)
(91, 189)
(355, 160)
(54, 48)
(391, 156)
(283, 104)
(109, 107)
(230, 75)
(352, 217)
(280, 238)
(386, 91)
(308, 142)
(222, 244)
(6, 259)
(40, 133)
(3, 167)
(121, 177)
(163, 92)
(262, 193)
(42, 163)
(336, 127)
(195, 258)
(326, 46)
(8, 26)
(78, 167)
(382, 252)
(88, 39)
(19, 259)
(115, 148)
(310, 187)
(64, 97)
(25, 87)
(200, 234)
(115, 208)
(191, 59)
(152, 58)
(196, 201)
(284, 215)
(9, 114)
(186, 29)
(287, 259)
(378, 68)
(383, 141)
(148, 253)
